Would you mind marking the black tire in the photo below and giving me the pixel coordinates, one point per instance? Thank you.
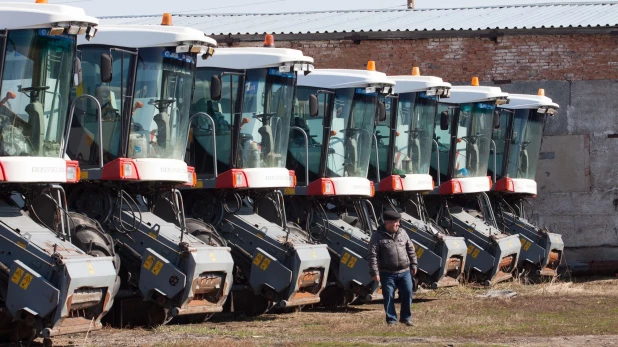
(205, 232)
(192, 319)
(88, 235)
(334, 296)
(250, 304)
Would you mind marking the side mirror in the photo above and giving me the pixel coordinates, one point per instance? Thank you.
(496, 119)
(106, 68)
(444, 120)
(215, 88)
(77, 72)
(381, 111)
(313, 106)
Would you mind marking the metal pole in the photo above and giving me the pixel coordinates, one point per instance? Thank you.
(437, 159)
(214, 142)
(306, 153)
(495, 168)
(375, 138)
(99, 120)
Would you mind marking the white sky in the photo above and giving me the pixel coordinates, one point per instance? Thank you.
(134, 7)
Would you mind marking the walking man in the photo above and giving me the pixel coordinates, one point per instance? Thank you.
(392, 262)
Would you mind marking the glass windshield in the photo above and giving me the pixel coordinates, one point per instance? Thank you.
(164, 87)
(115, 100)
(525, 144)
(223, 115)
(34, 98)
(417, 112)
(467, 151)
(314, 128)
(267, 111)
(353, 122)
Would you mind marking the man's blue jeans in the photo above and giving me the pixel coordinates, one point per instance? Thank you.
(402, 282)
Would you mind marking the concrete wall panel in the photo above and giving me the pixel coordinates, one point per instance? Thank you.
(564, 164)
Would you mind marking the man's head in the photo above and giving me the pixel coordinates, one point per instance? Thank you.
(391, 220)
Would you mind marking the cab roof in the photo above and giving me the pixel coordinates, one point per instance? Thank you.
(141, 36)
(17, 15)
(242, 58)
(411, 84)
(343, 78)
(523, 101)
(468, 94)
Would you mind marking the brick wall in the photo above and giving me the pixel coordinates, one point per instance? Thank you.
(517, 58)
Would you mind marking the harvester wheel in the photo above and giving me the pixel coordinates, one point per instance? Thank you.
(207, 207)
(251, 305)
(335, 296)
(205, 232)
(287, 310)
(528, 274)
(92, 201)
(192, 318)
(89, 236)
(24, 333)
(158, 315)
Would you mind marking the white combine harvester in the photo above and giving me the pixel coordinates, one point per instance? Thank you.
(133, 158)
(48, 286)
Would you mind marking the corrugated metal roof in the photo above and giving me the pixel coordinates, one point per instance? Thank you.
(531, 16)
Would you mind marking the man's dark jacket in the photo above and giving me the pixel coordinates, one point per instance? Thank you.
(391, 252)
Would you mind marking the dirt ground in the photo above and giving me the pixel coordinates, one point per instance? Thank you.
(550, 314)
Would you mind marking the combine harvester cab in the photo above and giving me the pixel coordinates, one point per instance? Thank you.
(330, 145)
(132, 155)
(460, 203)
(399, 168)
(238, 149)
(518, 143)
(48, 286)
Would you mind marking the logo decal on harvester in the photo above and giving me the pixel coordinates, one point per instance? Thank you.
(352, 262)
(174, 281)
(258, 259)
(148, 262)
(265, 264)
(474, 252)
(419, 252)
(157, 268)
(26, 281)
(17, 275)
(173, 170)
(50, 169)
(277, 178)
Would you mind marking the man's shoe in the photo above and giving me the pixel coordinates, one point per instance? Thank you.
(390, 324)
(408, 323)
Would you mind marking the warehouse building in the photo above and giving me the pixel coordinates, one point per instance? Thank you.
(569, 49)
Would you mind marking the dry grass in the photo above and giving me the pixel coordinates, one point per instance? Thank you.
(447, 316)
